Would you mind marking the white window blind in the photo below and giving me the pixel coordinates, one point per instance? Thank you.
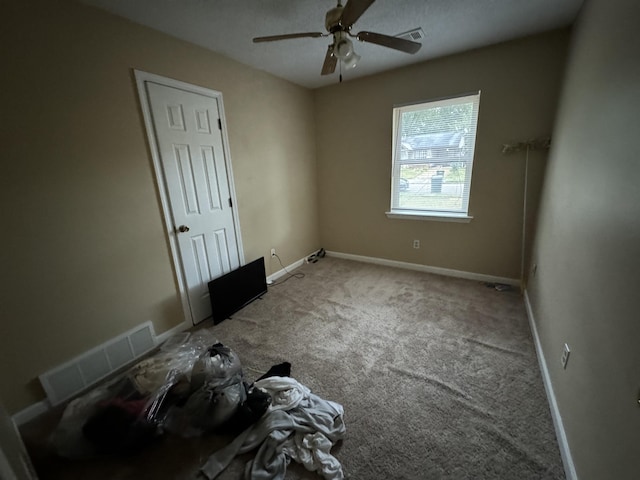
(433, 150)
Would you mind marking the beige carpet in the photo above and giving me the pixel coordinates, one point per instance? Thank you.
(437, 375)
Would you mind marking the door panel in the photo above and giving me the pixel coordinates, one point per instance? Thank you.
(195, 176)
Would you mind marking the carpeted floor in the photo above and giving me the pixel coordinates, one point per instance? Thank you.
(438, 378)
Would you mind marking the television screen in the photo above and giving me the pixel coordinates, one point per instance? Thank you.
(236, 289)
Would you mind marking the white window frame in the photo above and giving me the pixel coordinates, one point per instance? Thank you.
(447, 215)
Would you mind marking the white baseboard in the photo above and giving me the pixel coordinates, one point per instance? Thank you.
(426, 268)
(31, 412)
(565, 452)
(284, 271)
(160, 339)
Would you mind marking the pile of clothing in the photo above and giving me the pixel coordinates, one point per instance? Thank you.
(203, 390)
(298, 426)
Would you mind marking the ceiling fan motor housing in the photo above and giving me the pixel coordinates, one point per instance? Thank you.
(332, 20)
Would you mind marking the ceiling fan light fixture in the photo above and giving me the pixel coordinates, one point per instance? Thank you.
(343, 48)
(352, 60)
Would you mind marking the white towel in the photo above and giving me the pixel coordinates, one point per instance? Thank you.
(286, 392)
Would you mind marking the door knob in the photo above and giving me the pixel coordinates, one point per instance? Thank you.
(183, 228)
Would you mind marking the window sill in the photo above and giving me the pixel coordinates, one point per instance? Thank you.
(431, 216)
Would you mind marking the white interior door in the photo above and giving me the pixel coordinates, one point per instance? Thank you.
(187, 127)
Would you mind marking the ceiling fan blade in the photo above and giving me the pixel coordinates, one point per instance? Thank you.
(352, 11)
(287, 36)
(330, 62)
(392, 42)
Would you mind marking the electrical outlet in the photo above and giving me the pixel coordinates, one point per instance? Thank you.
(416, 244)
(565, 355)
(273, 252)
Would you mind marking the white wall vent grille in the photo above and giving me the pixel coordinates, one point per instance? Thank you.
(70, 378)
(414, 35)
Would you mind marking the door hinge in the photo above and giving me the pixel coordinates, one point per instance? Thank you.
(230, 203)
(219, 124)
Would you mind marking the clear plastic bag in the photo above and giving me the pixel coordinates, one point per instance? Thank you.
(178, 354)
(215, 366)
(210, 407)
(217, 390)
(127, 413)
(67, 439)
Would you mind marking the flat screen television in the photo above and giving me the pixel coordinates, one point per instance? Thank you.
(236, 289)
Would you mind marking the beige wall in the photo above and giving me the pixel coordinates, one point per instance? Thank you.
(85, 255)
(588, 248)
(520, 84)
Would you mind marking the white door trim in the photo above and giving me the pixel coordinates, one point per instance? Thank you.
(141, 78)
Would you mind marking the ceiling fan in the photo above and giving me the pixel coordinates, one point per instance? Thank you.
(338, 23)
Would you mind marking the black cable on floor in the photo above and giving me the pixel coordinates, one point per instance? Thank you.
(298, 275)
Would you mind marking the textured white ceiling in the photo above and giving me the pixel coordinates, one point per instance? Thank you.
(451, 26)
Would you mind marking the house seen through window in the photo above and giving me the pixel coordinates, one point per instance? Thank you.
(433, 149)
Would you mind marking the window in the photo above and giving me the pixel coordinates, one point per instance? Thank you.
(433, 146)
